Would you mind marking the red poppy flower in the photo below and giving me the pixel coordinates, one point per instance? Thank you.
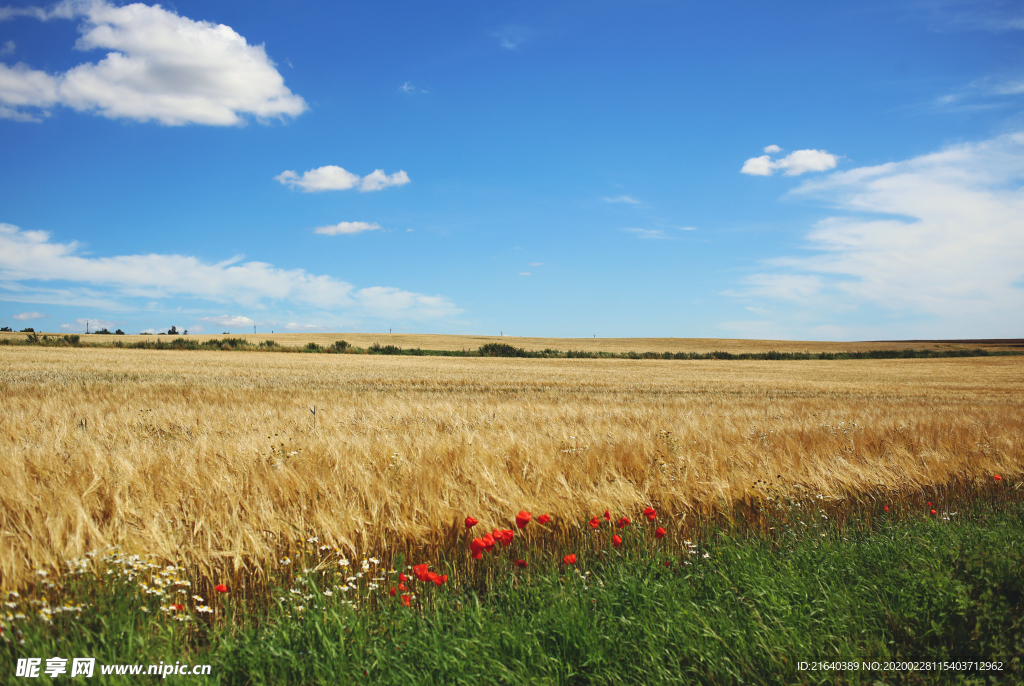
(607, 516)
(668, 563)
(998, 478)
(220, 588)
(431, 576)
(569, 560)
(401, 587)
(441, 579)
(402, 576)
(886, 508)
(616, 540)
(521, 563)
(544, 519)
(929, 504)
(477, 546)
(650, 513)
(504, 536)
(393, 591)
(488, 541)
(933, 511)
(659, 532)
(470, 522)
(177, 606)
(624, 522)
(420, 571)
(522, 519)
(406, 600)
(595, 522)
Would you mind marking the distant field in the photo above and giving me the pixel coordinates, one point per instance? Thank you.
(213, 458)
(613, 345)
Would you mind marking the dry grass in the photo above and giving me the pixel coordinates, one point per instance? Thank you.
(211, 457)
(610, 345)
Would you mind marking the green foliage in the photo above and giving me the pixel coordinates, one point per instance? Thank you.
(738, 607)
(28, 329)
(340, 346)
(501, 350)
(313, 347)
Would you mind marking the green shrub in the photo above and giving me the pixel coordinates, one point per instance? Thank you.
(501, 350)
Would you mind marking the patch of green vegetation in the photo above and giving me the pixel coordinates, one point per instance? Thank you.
(723, 609)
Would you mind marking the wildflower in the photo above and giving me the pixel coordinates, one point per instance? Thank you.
(401, 587)
(205, 608)
(521, 564)
(420, 571)
(595, 522)
(650, 513)
(607, 516)
(933, 512)
(286, 561)
(177, 606)
(406, 600)
(220, 588)
(659, 532)
(393, 592)
(668, 563)
(544, 519)
(624, 522)
(328, 593)
(198, 597)
(886, 508)
(998, 478)
(488, 541)
(522, 519)
(402, 577)
(616, 540)
(504, 536)
(343, 562)
(477, 546)
(470, 522)
(439, 579)
(929, 504)
(569, 559)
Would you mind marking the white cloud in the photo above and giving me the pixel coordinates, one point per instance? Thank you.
(292, 326)
(796, 163)
(28, 257)
(772, 149)
(941, 235)
(378, 180)
(623, 198)
(158, 66)
(647, 233)
(25, 316)
(347, 228)
(409, 88)
(334, 178)
(92, 325)
(536, 264)
(225, 320)
(525, 274)
(8, 48)
(687, 228)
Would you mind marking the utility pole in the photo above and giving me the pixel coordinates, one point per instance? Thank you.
(254, 328)
(87, 326)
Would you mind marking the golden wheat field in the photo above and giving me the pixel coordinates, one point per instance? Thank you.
(211, 458)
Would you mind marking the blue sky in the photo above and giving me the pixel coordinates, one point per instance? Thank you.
(798, 170)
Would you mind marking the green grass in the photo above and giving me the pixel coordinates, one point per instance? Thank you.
(746, 609)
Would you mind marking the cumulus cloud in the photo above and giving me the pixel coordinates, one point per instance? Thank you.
(225, 320)
(91, 325)
(25, 316)
(334, 178)
(772, 149)
(159, 66)
(347, 228)
(796, 163)
(28, 258)
(940, 235)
